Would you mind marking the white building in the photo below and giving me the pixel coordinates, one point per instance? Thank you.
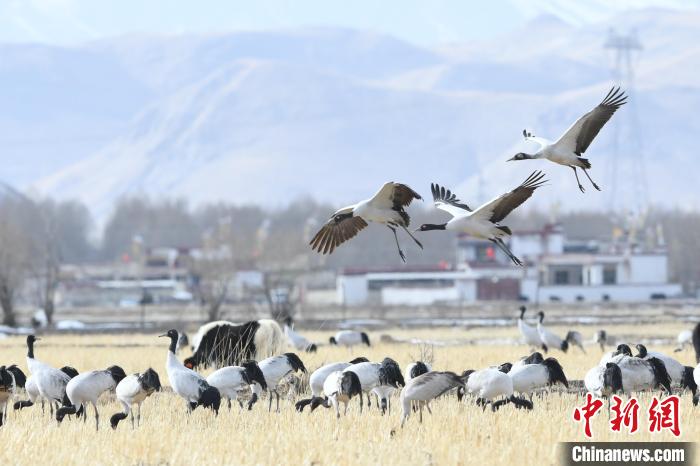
(556, 270)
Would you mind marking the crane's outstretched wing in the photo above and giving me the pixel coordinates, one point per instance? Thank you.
(580, 135)
(447, 201)
(335, 232)
(394, 196)
(499, 208)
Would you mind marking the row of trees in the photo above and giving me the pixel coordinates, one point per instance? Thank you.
(35, 239)
(37, 236)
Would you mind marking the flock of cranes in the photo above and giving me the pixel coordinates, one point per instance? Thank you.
(388, 205)
(337, 383)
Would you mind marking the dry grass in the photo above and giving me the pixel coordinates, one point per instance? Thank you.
(454, 434)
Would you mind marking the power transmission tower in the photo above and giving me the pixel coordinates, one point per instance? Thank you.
(627, 178)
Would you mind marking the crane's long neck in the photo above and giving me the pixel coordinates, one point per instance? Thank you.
(30, 349)
(432, 226)
(173, 345)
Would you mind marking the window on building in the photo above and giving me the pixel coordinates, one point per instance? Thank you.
(609, 275)
(566, 274)
(561, 277)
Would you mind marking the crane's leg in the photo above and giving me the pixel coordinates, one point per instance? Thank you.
(277, 395)
(580, 186)
(499, 242)
(420, 245)
(138, 418)
(589, 179)
(97, 416)
(393, 230)
(269, 406)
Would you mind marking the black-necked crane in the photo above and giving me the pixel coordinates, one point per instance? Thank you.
(33, 394)
(275, 369)
(488, 384)
(190, 385)
(340, 387)
(641, 374)
(424, 388)
(549, 338)
(529, 332)
(349, 338)
(296, 339)
(373, 374)
(675, 369)
(86, 388)
(387, 207)
(230, 380)
(133, 390)
(484, 222)
(318, 377)
(50, 382)
(604, 380)
(567, 150)
(528, 378)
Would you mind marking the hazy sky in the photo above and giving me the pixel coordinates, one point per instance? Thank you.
(66, 22)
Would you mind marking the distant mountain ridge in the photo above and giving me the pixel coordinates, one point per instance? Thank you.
(266, 117)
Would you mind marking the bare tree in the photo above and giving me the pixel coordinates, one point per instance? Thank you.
(215, 268)
(13, 254)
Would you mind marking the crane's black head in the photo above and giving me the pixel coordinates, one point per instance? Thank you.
(365, 338)
(288, 321)
(332, 341)
(210, 398)
(390, 374)
(69, 371)
(350, 384)
(173, 335)
(520, 156)
(295, 362)
(505, 367)
(30, 345)
(534, 358)
(642, 350)
(612, 378)
(312, 348)
(6, 380)
(150, 381)
(117, 373)
(623, 349)
(555, 371)
(541, 316)
(20, 377)
(522, 311)
(252, 373)
(419, 368)
(432, 226)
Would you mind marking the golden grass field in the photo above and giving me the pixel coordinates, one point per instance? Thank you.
(456, 433)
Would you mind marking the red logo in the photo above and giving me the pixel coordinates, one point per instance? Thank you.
(665, 414)
(626, 415)
(589, 410)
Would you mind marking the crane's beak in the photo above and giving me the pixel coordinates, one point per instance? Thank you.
(37, 338)
(163, 335)
(511, 159)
